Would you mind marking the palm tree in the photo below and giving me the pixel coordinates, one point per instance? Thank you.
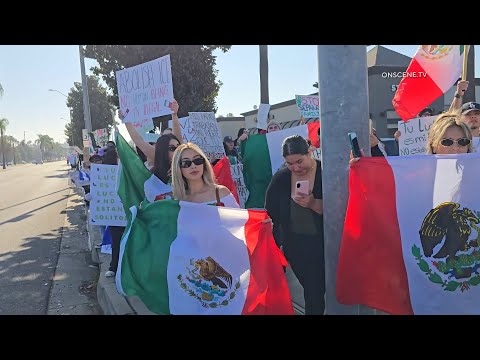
(12, 142)
(44, 142)
(3, 127)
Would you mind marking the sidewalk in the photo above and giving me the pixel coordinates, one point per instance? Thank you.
(111, 302)
(74, 282)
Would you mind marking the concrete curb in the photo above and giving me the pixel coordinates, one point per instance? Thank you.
(109, 299)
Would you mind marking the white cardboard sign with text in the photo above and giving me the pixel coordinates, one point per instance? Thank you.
(105, 206)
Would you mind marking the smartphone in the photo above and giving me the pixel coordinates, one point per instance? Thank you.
(354, 145)
(303, 187)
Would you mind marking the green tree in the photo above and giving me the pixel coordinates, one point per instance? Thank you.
(11, 144)
(3, 127)
(193, 70)
(45, 143)
(101, 110)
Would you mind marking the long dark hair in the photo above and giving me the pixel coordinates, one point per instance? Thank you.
(295, 145)
(161, 164)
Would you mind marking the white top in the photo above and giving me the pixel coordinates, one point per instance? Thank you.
(228, 200)
(476, 143)
(147, 165)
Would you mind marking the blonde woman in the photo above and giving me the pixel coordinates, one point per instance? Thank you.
(193, 179)
(449, 135)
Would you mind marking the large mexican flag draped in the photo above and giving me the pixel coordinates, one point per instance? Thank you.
(411, 240)
(432, 72)
(262, 158)
(187, 258)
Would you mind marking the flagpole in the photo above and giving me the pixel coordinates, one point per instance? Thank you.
(465, 58)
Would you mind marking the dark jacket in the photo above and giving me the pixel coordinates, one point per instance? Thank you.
(277, 202)
(110, 157)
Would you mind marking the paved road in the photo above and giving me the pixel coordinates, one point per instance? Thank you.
(33, 199)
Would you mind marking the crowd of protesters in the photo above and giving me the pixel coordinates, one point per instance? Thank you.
(296, 218)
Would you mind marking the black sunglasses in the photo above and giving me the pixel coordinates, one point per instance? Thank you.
(187, 163)
(172, 148)
(460, 142)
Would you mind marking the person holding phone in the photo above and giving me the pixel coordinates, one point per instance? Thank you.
(294, 203)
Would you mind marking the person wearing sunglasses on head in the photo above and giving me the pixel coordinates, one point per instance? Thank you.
(449, 135)
(193, 179)
(161, 153)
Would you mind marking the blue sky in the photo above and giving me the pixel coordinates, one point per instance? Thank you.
(28, 71)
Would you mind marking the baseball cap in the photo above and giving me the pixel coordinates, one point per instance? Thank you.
(426, 111)
(470, 106)
(227, 139)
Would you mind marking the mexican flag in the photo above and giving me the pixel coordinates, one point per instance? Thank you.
(223, 176)
(136, 183)
(262, 158)
(220, 261)
(433, 71)
(411, 238)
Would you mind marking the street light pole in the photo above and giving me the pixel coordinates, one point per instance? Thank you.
(86, 103)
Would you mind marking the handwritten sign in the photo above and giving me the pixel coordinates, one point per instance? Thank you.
(262, 116)
(105, 206)
(150, 138)
(201, 128)
(414, 135)
(308, 105)
(101, 137)
(237, 176)
(146, 90)
(143, 126)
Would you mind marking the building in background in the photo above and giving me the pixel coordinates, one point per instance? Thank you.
(229, 125)
(382, 64)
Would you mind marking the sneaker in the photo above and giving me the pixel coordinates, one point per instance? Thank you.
(109, 273)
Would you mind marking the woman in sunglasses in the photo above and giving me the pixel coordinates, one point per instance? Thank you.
(194, 181)
(448, 135)
(162, 152)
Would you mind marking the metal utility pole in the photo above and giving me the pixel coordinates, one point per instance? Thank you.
(264, 98)
(470, 93)
(343, 92)
(86, 103)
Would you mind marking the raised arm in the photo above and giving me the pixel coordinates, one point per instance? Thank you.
(462, 86)
(147, 149)
(176, 129)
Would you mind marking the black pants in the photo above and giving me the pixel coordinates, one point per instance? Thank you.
(116, 232)
(306, 257)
